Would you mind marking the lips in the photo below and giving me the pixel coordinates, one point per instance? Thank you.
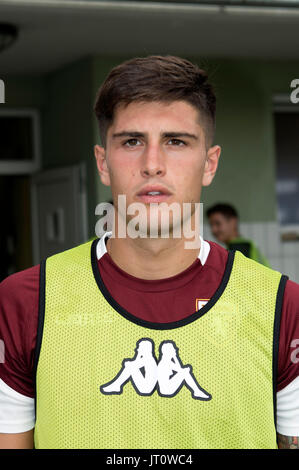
(154, 189)
(153, 193)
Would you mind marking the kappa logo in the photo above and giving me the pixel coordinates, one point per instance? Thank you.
(167, 375)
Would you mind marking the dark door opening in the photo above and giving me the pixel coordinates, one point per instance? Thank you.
(15, 227)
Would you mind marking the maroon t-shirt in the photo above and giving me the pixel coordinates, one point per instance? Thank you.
(163, 300)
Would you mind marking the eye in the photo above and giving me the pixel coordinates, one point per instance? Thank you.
(177, 142)
(132, 143)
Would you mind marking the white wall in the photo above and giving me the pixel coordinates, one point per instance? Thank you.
(282, 256)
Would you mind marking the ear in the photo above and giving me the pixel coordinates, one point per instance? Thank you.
(211, 165)
(100, 155)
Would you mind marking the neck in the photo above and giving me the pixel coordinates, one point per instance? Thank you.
(151, 259)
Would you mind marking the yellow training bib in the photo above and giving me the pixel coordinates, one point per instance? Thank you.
(106, 379)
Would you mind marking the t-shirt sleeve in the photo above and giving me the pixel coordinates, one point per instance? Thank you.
(19, 297)
(288, 364)
(17, 413)
(288, 357)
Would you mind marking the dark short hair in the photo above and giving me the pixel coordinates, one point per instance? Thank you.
(225, 209)
(156, 78)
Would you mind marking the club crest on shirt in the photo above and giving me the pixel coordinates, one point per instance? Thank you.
(167, 374)
(199, 303)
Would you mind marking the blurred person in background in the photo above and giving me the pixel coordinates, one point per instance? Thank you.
(224, 223)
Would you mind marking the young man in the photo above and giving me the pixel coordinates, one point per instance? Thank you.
(127, 342)
(224, 223)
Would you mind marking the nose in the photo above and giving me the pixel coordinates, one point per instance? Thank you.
(153, 162)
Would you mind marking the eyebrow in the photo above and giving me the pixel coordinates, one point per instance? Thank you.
(165, 134)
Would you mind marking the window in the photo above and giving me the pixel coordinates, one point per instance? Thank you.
(19, 141)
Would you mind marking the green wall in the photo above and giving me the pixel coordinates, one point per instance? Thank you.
(67, 125)
(23, 92)
(245, 131)
(67, 115)
(101, 68)
(246, 173)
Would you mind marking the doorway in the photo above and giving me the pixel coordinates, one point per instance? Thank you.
(15, 228)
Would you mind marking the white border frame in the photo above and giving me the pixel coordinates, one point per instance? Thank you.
(16, 167)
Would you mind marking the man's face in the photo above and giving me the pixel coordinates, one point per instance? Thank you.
(223, 228)
(156, 147)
